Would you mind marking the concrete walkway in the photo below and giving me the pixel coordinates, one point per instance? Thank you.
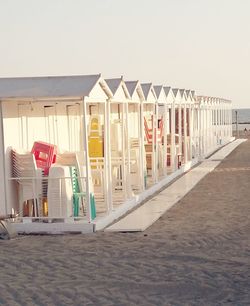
(144, 216)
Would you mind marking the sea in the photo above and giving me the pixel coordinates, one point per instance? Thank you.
(243, 115)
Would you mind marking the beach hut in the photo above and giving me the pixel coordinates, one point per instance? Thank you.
(209, 124)
(214, 122)
(58, 111)
(194, 125)
(184, 127)
(119, 141)
(202, 125)
(152, 131)
(178, 124)
(162, 117)
(190, 125)
(138, 172)
(172, 142)
(227, 119)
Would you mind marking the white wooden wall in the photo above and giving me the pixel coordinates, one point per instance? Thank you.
(57, 123)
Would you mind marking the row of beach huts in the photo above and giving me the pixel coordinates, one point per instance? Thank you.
(77, 152)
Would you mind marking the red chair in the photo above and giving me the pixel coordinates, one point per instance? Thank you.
(45, 155)
(158, 131)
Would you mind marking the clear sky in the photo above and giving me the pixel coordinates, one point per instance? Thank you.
(198, 44)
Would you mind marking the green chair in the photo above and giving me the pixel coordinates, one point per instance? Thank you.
(78, 195)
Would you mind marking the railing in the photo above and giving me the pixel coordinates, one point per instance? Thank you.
(50, 197)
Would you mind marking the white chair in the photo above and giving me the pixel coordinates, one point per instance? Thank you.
(30, 180)
(60, 192)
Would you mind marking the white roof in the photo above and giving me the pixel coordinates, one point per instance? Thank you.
(54, 86)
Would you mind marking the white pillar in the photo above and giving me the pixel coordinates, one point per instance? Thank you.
(206, 127)
(109, 159)
(191, 126)
(106, 163)
(165, 123)
(142, 149)
(185, 131)
(210, 131)
(127, 150)
(180, 128)
(172, 144)
(156, 144)
(202, 131)
(124, 172)
(87, 164)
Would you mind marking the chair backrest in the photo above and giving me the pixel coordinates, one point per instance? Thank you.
(66, 159)
(81, 170)
(23, 164)
(45, 155)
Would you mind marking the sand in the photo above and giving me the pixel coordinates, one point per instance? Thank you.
(198, 253)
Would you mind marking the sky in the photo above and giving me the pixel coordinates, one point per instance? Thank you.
(193, 44)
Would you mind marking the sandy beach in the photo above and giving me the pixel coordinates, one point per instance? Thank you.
(198, 253)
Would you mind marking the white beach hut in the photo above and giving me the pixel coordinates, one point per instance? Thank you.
(178, 124)
(163, 130)
(184, 126)
(55, 110)
(119, 142)
(150, 127)
(190, 125)
(172, 146)
(194, 127)
(136, 136)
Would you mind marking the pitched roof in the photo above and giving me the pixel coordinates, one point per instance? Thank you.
(131, 86)
(158, 89)
(146, 88)
(167, 90)
(175, 91)
(182, 91)
(113, 84)
(54, 86)
(188, 92)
